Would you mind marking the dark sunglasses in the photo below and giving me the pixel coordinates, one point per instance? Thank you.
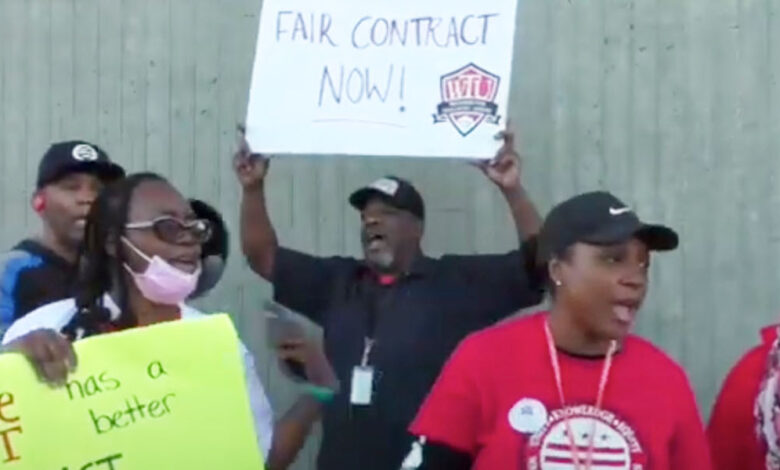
(172, 230)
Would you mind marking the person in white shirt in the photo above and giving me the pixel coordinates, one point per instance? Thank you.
(140, 261)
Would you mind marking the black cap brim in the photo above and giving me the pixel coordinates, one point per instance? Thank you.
(106, 172)
(656, 237)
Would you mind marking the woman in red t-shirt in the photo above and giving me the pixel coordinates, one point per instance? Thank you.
(571, 388)
(744, 428)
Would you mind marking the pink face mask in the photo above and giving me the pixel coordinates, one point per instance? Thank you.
(160, 282)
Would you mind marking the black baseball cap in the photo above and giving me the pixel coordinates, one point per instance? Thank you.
(598, 218)
(214, 252)
(76, 156)
(393, 190)
(218, 244)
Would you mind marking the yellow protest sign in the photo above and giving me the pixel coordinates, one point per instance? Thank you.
(169, 396)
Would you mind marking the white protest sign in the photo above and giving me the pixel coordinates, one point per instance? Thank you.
(381, 77)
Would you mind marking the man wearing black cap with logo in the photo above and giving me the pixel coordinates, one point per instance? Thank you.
(40, 270)
(391, 319)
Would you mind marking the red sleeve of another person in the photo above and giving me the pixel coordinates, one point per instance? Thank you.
(452, 413)
(733, 441)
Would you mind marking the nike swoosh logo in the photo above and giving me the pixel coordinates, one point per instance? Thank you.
(622, 210)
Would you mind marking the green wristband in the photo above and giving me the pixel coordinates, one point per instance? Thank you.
(321, 394)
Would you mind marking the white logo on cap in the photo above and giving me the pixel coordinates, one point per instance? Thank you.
(618, 211)
(85, 153)
(385, 186)
(527, 416)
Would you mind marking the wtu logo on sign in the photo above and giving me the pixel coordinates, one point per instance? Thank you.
(468, 98)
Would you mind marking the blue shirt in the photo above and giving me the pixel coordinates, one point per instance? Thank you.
(31, 275)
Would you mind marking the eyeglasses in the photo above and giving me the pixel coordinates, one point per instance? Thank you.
(172, 230)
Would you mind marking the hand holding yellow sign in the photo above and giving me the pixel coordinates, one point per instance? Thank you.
(168, 396)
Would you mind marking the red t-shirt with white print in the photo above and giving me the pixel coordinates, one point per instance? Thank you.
(497, 400)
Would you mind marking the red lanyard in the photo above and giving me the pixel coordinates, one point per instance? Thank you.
(599, 395)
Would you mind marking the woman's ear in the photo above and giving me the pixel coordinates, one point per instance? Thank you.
(555, 272)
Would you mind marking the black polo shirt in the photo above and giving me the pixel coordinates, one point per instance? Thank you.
(419, 320)
(32, 275)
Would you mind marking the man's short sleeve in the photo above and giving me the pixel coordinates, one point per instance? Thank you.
(452, 413)
(503, 280)
(306, 283)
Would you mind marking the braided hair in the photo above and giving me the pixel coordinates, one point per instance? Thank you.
(99, 267)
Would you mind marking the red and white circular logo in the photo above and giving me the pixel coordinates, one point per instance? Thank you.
(615, 445)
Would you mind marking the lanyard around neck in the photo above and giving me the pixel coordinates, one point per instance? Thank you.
(553, 353)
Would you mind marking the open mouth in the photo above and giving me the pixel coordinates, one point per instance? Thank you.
(625, 311)
(375, 241)
(188, 265)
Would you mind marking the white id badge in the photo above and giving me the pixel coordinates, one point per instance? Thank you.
(362, 385)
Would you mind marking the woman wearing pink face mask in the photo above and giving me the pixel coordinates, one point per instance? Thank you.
(140, 262)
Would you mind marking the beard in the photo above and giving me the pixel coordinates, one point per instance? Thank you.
(382, 260)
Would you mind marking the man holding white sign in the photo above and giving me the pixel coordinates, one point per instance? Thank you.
(386, 77)
(391, 319)
(403, 78)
